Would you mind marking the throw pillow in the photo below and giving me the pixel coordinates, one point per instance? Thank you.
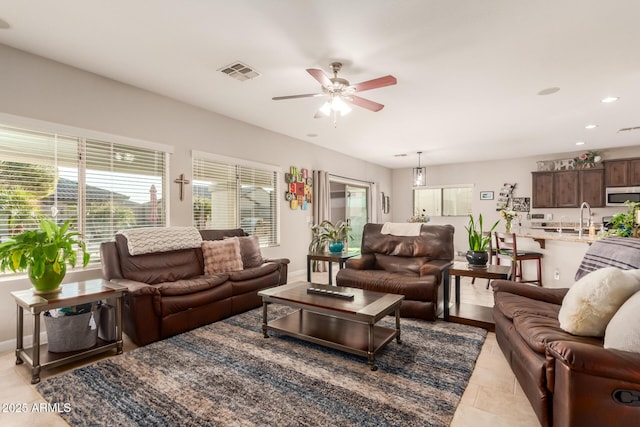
(250, 251)
(221, 255)
(593, 300)
(623, 331)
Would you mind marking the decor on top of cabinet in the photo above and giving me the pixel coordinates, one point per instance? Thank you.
(299, 191)
(588, 159)
(504, 198)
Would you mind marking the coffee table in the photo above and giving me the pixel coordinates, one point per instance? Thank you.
(344, 324)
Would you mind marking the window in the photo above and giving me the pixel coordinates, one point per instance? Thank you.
(443, 201)
(101, 187)
(229, 193)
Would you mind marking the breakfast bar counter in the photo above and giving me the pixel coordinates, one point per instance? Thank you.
(541, 236)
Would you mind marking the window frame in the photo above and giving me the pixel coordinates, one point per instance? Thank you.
(441, 189)
(82, 136)
(249, 164)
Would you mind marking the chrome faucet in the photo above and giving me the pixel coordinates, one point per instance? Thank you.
(582, 206)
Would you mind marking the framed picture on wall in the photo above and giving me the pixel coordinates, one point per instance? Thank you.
(486, 195)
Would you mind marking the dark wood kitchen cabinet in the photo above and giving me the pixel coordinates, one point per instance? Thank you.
(592, 187)
(622, 173)
(542, 191)
(568, 189)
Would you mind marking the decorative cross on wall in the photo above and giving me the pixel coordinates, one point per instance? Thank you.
(181, 181)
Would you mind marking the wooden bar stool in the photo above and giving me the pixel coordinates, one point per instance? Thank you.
(507, 248)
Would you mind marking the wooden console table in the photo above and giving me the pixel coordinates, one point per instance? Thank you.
(70, 294)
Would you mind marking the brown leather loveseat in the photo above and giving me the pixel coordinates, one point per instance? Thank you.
(413, 266)
(169, 292)
(570, 380)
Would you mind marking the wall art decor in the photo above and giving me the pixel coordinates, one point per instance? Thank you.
(521, 204)
(486, 195)
(298, 192)
(505, 196)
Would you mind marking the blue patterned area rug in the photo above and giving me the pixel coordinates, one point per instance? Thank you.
(227, 374)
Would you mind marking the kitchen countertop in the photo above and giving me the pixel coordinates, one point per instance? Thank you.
(542, 236)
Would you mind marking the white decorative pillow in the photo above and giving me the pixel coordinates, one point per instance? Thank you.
(593, 300)
(623, 331)
(221, 255)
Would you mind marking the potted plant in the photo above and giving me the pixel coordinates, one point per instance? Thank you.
(625, 224)
(478, 241)
(329, 235)
(44, 254)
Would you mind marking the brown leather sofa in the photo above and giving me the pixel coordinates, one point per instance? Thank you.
(413, 266)
(168, 292)
(569, 380)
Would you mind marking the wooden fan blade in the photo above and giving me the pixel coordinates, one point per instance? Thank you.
(365, 103)
(306, 95)
(320, 76)
(375, 83)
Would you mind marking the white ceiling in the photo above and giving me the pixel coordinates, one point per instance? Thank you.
(468, 71)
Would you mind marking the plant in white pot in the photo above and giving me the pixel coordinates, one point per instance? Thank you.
(328, 235)
(478, 242)
(44, 254)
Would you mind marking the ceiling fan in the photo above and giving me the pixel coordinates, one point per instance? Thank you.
(340, 90)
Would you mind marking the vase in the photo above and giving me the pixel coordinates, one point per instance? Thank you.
(507, 227)
(336, 247)
(477, 258)
(50, 281)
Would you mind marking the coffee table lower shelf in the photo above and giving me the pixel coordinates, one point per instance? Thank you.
(345, 335)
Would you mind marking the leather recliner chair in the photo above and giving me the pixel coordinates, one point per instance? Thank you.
(412, 266)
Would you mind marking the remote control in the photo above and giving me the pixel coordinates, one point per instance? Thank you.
(330, 293)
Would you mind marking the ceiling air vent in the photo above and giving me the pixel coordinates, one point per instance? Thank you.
(239, 71)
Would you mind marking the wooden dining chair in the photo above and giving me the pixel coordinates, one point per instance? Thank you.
(506, 246)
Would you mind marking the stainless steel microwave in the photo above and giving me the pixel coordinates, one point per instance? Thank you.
(617, 196)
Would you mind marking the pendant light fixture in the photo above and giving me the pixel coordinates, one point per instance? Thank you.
(419, 174)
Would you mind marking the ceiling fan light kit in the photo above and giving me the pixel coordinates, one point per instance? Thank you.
(341, 92)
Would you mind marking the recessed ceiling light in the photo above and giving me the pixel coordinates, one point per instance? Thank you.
(591, 126)
(549, 91)
(609, 99)
(312, 135)
(579, 143)
(400, 155)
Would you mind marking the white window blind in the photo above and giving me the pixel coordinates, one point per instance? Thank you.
(227, 195)
(443, 201)
(101, 187)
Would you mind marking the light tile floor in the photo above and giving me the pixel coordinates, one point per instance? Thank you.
(493, 397)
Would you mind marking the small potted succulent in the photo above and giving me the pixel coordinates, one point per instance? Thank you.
(329, 235)
(477, 255)
(44, 254)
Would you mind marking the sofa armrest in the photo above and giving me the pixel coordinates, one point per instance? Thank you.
(141, 311)
(283, 266)
(436, 266)
(278, 260)
(551, 295)
(596, 361)
(593, 386)
(363, 262)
